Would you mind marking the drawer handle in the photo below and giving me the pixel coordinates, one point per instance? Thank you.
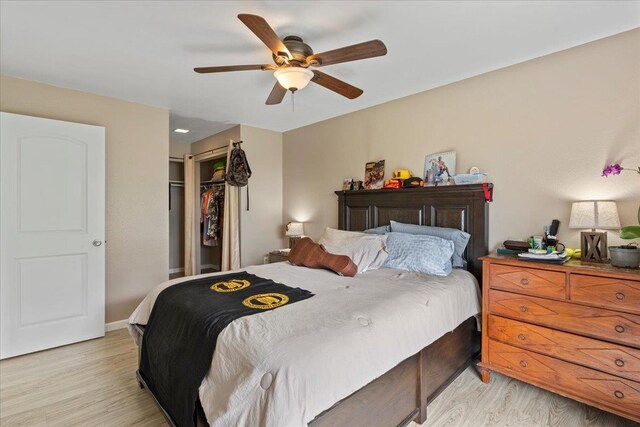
(524, 281)
(618, 394)
(619, 328)
(522, 337)
(523, 308)
(523, 363)
(620, 295)
(620, 363)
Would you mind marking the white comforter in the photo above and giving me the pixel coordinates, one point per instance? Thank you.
(285, 366)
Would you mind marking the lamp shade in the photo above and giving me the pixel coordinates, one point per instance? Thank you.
(294, 229)
(601, 214)
(293, 78)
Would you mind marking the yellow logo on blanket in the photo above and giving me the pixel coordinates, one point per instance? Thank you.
(230, 286)
(266, 301)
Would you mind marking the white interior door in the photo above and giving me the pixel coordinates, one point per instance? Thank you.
(51, 233)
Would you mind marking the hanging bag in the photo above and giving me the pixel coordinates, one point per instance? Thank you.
(238, 170)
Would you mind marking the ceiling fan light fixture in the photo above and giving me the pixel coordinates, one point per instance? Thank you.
(293, 78)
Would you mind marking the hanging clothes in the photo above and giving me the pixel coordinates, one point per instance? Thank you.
(212, 206)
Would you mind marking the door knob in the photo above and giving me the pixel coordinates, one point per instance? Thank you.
(97, 243)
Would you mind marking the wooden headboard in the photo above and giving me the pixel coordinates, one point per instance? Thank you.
(454, 206)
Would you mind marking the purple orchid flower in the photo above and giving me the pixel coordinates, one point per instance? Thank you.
(612, 170)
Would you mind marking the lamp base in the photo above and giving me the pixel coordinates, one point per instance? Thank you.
(293, 240)
(593, 245)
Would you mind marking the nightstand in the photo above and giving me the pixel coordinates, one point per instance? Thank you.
(573, 329)
(278, 256)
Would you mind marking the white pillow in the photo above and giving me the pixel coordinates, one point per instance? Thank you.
(333, 234)
(367, 251)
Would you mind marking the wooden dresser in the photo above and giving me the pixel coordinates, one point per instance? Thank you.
(573, 329)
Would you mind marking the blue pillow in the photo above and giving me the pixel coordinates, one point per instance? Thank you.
(383, 229)
(421, 253)
(459, 238)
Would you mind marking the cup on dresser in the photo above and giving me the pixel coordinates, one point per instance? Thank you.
(537, 242)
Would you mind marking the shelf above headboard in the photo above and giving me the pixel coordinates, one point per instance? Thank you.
(453, 206)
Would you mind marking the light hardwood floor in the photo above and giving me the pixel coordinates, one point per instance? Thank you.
(93, 384)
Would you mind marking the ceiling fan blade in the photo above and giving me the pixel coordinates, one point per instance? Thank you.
(338, 86)
(277, 95)
(222, 69)
(263, 30)
(365, 50)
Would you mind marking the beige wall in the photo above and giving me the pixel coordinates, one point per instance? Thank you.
(137, 147)
(179, 149)
(261, 228)
(542, 130)
(218, 140)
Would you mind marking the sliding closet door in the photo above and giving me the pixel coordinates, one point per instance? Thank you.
(52, 251)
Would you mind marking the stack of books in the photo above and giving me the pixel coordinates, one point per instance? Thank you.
(552, 258)
(504, 251)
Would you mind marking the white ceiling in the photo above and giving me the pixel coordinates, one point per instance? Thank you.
(145, 51)
(198, 128)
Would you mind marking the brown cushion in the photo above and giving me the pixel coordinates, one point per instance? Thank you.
(312, 255)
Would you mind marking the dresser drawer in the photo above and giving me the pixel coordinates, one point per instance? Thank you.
(609, 325)
(530, 281)
(606, 292)
(608, 357)
(604, 390)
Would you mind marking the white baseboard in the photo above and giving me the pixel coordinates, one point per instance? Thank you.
(176, 270)
(114, 326)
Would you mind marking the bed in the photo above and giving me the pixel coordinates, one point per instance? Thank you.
(323, 363)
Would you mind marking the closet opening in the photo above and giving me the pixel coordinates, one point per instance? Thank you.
(204, 217)
(209, 213)
(176, 217)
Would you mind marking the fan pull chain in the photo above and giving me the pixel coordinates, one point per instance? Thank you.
(293, 102)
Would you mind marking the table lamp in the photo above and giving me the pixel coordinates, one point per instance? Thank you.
(295, 231)
(601, 214)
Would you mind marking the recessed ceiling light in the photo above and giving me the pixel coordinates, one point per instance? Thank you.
(181, 130)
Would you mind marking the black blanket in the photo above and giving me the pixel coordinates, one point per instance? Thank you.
(181, 334)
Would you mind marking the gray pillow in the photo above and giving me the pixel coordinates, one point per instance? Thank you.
(421, 253)
(459, 238)
(383, 229)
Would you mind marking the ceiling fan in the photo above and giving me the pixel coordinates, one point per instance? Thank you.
(293, 57)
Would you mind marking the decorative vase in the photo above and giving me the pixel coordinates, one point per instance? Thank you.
(625, 256)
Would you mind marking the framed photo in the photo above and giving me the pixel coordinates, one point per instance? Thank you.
(439, 167)
(347, 184)
(374, 175)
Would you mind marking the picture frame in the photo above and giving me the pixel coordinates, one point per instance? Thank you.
(374, 175)
(439, 167)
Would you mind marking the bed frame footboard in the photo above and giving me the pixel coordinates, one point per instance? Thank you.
(402, 394)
